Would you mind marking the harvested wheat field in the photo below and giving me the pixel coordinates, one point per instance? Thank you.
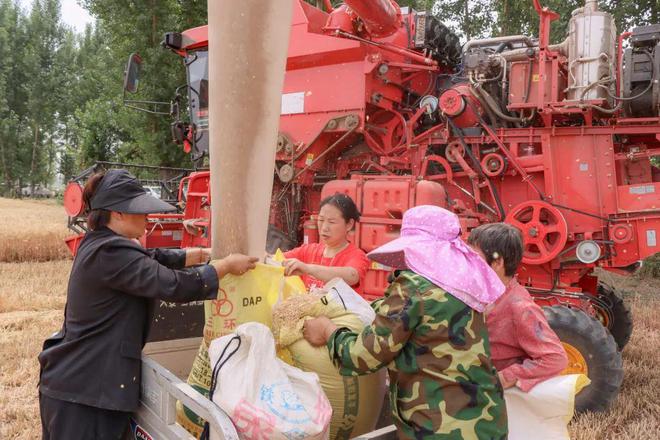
(32, 230)
(32, 299)
(32, 296)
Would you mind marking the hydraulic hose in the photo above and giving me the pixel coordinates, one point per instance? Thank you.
(495, 108)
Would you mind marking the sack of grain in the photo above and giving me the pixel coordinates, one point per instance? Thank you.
(356, 400)
(241, 299)
(545, 411)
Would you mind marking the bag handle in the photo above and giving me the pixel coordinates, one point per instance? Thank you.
(222, 360)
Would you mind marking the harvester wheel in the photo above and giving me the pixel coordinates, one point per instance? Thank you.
(620, 324)
(591, 350)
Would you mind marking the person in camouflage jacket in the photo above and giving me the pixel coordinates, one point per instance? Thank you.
(435, 347)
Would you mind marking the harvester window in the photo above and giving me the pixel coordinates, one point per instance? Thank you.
(197, 68)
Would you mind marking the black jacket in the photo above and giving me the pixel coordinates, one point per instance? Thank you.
(113, 288)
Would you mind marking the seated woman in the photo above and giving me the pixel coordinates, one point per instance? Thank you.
(334, 256)
(429, 333)
(524, 349)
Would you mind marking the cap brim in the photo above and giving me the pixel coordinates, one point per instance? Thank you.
(143, 204)
(393, 253)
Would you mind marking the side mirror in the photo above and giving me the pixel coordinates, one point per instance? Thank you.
(132, 73)
(178, 132)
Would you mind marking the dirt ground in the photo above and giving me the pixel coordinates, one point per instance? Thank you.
(32, 296)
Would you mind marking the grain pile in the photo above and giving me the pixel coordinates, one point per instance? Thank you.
(289, 314)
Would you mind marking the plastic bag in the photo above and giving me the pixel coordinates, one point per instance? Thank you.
(544, 412)
(246, 298)
(265, 397)
(339, 291)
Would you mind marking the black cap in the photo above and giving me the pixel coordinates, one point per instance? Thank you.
(120, 191)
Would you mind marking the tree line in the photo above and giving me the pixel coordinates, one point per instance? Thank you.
(61, 96)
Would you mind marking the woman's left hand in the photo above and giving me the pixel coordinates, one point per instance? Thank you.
(294, 266)
(317, 331)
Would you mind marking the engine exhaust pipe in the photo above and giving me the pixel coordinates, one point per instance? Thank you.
(591, 5)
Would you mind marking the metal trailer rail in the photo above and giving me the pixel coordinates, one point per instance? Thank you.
(155, 419)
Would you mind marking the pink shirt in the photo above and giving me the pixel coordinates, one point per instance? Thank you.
(523, 346)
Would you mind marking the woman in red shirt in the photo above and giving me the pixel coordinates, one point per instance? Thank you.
(524, 349)
(334, 256)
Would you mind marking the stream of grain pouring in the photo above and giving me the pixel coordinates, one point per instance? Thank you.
(248, 42)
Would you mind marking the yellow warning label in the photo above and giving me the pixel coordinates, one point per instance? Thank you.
(536, 77)
(310, 159)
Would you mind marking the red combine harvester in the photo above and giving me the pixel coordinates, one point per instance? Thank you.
(381, 103)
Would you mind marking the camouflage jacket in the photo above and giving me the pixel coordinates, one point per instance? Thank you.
(442, 382)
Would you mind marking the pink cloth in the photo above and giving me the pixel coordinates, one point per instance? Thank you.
(523, 346)
(430, 245)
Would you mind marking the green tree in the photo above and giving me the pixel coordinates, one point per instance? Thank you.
(138, 27)
(45, 38)
(13, 95)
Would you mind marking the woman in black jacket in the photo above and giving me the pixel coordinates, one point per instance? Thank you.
(90, 370)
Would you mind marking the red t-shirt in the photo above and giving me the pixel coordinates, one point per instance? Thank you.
(350, 256)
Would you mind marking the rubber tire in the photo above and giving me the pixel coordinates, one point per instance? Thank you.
(599, 350)
(622, 321)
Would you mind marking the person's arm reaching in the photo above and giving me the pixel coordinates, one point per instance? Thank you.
(378, 344)
(351, 271)
(323, 273)
(133, 271)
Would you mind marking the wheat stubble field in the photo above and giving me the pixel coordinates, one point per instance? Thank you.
(34, 268)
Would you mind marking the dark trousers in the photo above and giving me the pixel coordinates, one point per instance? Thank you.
(61, 420)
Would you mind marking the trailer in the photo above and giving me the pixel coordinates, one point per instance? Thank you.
(165, 367)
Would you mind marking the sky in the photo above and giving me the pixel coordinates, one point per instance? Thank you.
(72, 14)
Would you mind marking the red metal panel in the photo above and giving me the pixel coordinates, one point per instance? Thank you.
(384, 198)
(648, 232)
(375, 235)
(577, 176)
(375, 282)
(348, 187)
(638, 198)
(198, 206)
(518, 86)
(306, 40)
(346, 93)
(164, 233)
